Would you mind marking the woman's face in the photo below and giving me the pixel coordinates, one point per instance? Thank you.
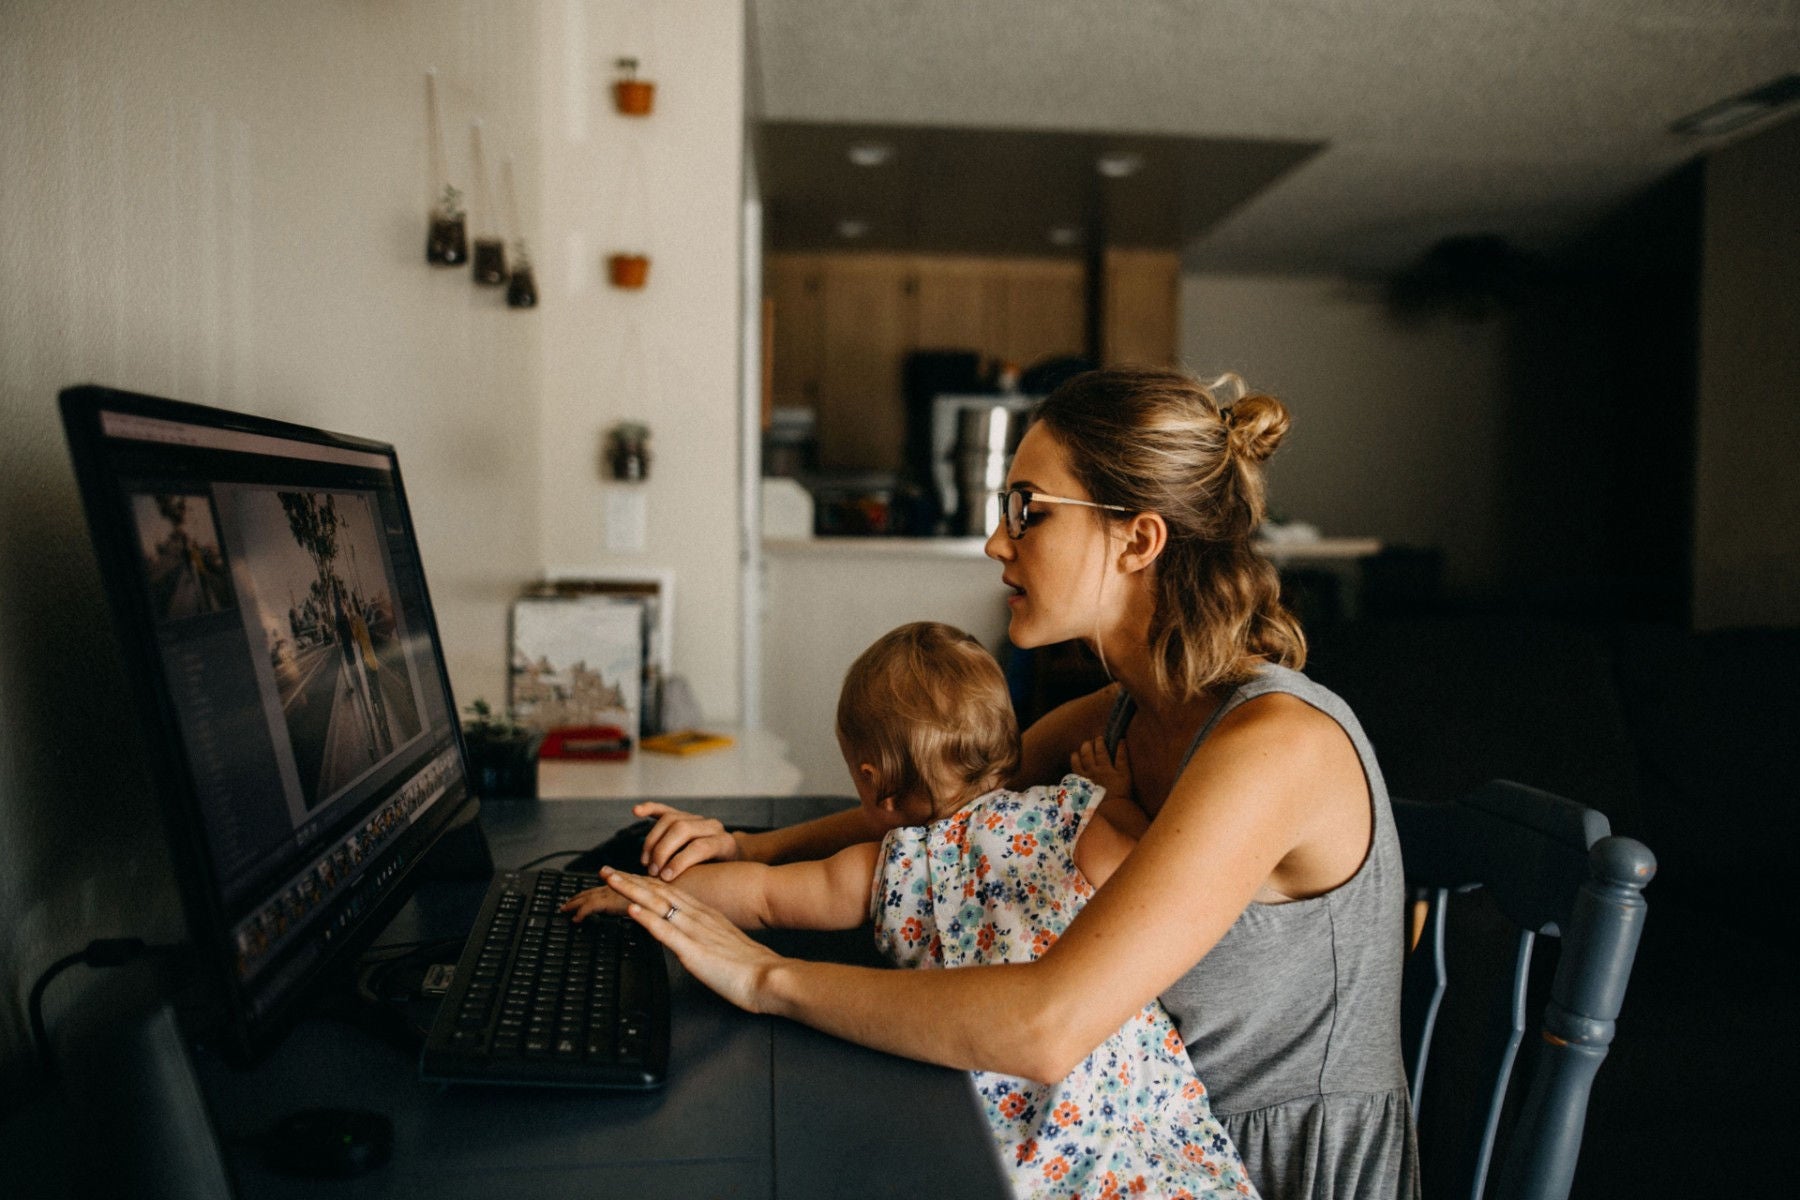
(1057, 571)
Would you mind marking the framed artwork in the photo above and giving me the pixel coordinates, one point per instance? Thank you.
(652, 591)
(577, 661)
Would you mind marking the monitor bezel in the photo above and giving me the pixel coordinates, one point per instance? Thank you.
(241, 1036)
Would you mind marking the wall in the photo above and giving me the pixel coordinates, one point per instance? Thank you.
(225, 202)
(825, 601)
(1747, 495)
(1398, 429)
(668, 185)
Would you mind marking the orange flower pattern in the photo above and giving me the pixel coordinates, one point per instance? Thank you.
(997, 882)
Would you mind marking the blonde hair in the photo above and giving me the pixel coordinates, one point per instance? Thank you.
(1163, 442)
(927, 707)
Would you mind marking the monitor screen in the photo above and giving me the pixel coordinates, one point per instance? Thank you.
(274, 618)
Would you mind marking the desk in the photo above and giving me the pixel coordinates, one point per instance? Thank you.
(754, 1107)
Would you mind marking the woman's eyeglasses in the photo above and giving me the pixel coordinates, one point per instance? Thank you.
(1015, 507)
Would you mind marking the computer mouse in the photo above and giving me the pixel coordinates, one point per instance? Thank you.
(621, 851)
(329, 1142)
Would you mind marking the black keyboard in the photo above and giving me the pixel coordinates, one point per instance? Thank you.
(541, 999)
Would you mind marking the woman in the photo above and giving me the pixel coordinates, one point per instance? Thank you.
(1263, 902)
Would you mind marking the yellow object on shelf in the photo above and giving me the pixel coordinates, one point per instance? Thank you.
(685, 741)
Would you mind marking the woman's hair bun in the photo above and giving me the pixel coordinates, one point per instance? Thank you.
(1257, 422)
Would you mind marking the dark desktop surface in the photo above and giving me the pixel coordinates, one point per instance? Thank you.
(753, 1106)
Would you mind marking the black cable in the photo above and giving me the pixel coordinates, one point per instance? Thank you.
(102, 952)
(544, 858)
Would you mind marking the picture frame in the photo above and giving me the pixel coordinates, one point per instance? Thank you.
(577, 661)
(651, 590)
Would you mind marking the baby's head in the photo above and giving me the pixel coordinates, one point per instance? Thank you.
(925, 723)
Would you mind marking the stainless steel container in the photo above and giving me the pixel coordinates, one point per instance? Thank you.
(986, 436)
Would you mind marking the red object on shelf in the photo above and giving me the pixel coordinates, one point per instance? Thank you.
(586, 741)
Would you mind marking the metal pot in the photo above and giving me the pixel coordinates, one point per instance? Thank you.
(986, 437)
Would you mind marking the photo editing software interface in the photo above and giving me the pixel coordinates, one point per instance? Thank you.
(299, 661)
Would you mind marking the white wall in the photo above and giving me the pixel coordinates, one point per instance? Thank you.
(225, 202)
(825, 602)
(1398, 428)
(1747, 494)
(667, 185)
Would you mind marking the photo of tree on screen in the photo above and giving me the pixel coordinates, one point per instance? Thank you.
(182, 560)
(325, 606)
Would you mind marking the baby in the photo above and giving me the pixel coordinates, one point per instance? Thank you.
(970, 872)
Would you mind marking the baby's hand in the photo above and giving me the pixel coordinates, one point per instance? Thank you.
(600, 899)
(1118, 805)
(1113, 774)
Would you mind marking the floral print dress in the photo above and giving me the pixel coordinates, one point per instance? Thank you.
(997, 882)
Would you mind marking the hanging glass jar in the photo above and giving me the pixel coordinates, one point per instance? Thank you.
(447, 245)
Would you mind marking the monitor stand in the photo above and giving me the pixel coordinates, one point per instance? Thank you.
(461, 851)
(382, 999)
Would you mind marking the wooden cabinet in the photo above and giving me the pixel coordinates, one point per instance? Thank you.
(793, 303)
(1140, 297)
(866, 327)
(1044, 311)
(844, 324)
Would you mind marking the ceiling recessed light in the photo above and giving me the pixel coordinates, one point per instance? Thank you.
(1118, 164)
(850, 227)
(870, 154)
(1065, 235)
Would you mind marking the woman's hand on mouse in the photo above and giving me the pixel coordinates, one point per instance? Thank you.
(713, 950)
(600, 899)
(680, 839)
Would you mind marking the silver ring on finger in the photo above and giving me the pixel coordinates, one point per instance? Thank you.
(670, 915)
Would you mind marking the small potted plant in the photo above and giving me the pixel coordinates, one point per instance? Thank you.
(633, 96)
(503, 754)
(628, 271)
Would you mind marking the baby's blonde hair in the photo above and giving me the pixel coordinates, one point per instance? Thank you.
(927, 707)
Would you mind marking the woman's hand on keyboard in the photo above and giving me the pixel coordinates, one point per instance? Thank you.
(600, 899)
(713, 950)
(680, 839)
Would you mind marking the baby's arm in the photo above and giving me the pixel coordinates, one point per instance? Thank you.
(832, 893)
(1113, 831)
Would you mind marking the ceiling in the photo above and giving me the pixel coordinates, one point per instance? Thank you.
(1277, 135)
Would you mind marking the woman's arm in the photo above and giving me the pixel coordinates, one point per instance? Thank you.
(1244, 804)
(681, 839)
(828, 894)
(1051, 742)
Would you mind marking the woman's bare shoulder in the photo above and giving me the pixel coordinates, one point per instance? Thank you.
(1279, 763)
(1294, 738)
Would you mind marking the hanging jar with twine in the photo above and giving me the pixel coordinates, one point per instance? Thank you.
(521, 286)
(446, 240)
(489, 257)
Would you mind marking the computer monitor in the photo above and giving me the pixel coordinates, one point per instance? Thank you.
(273, 615)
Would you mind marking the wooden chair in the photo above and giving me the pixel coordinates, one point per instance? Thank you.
(1551, 867)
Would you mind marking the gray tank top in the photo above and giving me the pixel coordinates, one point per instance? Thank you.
(1293, 1018)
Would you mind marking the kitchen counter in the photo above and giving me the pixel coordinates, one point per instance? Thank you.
(1320, 550)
